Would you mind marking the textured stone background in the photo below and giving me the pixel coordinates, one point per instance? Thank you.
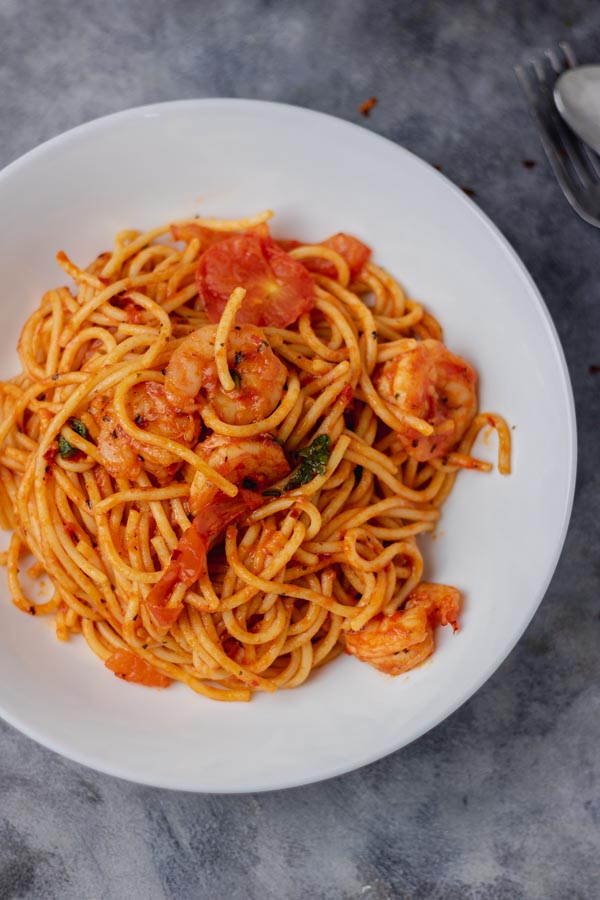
(501, 800)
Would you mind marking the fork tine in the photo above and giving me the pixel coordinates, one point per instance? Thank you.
(552, 57)
(575, 155)
(586, 154)
(525, 82)
(532, 89)
(568, 53)
(540, 70)
(546, 69)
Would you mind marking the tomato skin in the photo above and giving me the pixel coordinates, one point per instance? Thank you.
(130, 667)
(354, 252)
(279, 289)
(288, 245)
(164, 616)
(188, 562)
(206, 236)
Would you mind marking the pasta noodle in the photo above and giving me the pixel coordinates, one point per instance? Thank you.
(221, 449)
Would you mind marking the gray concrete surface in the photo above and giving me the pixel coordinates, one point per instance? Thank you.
(501, 800)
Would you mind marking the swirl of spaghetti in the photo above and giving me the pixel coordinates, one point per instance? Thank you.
(221, 450)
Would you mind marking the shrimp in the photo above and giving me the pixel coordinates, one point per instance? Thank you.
(192, 381)
(441, 602)
(429, 382)
(397, 643)
(124, 456)
(254, 463)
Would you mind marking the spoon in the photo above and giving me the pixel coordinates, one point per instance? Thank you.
(577, 98)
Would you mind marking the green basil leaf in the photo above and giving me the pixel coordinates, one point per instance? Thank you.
(313, 462)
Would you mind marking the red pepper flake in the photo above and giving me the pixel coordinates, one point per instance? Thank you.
(529, 163)
(594, 370)
(133, 312)
(71, 530)
(366, 107)
(468, 191)
(50, 454)
(438, 167)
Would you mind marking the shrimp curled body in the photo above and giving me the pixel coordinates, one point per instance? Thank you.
(192, 380)
(252, 463)
(394, 644)
(428, 382)
(124, 456)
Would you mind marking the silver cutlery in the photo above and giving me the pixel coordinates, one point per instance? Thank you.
(576, 166)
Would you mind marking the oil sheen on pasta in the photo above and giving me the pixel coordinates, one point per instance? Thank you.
(221, 450)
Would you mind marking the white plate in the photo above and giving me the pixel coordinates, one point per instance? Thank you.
(500, 537)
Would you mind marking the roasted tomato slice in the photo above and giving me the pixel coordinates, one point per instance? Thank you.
(354, 252)
(206, 236)
(278, 288)
(188, 562)
(131, 667)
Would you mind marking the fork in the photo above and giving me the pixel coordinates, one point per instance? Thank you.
(576, 166)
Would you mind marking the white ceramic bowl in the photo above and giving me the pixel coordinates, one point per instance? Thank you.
(500, 538)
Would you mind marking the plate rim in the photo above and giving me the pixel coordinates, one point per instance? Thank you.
(340, 768)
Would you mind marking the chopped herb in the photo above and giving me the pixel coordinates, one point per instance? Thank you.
(272, 492)
(314, 459)
(54, 377)
(163, 371)
(239, 357)
(374, 335)
(67, 450)
(79, 428)
(237, 378)
(249, 484)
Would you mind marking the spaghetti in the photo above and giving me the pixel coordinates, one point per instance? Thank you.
(221, 450)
